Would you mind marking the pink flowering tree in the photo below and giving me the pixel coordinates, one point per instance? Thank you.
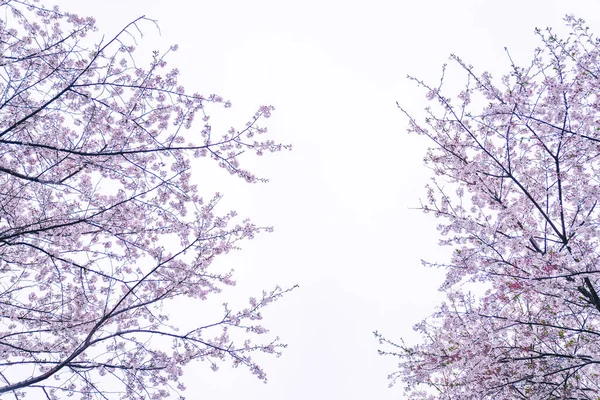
(101, 223)
(517, 191)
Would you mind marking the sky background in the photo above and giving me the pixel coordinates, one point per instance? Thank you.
(341, 201)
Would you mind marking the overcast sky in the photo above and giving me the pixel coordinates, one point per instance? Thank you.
(340, 202)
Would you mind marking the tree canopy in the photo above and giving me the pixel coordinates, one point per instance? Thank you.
(101, 219)
(517, 186)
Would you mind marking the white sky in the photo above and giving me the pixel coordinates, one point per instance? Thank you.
(340, 201)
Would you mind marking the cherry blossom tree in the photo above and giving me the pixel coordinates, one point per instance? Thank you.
(101, 222)
(517, 188)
